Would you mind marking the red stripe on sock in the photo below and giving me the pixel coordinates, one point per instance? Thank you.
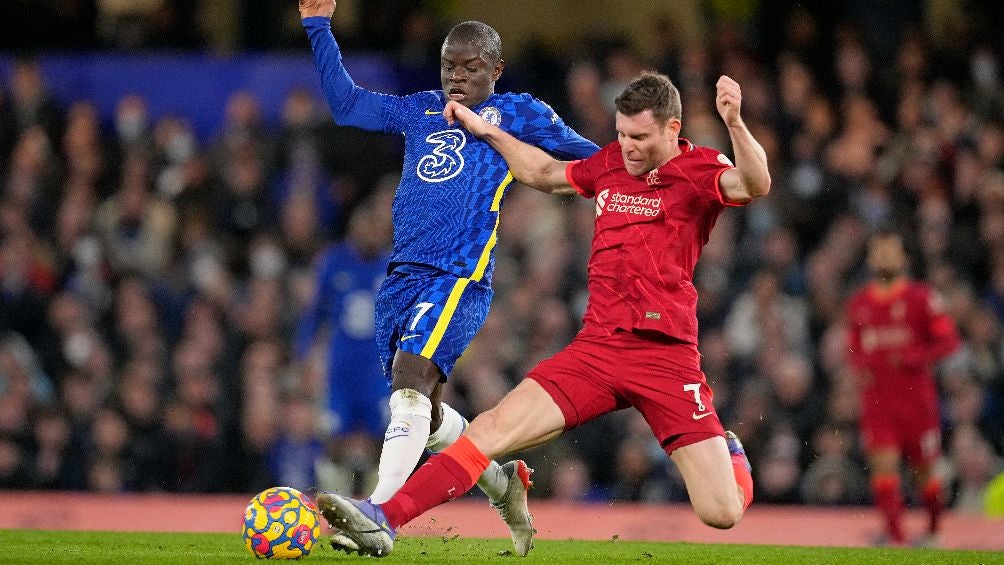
(444, 477)
(744, 479)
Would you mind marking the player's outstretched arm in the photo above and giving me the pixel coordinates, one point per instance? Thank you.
(351, 105)
(751, 178)
(529, 165)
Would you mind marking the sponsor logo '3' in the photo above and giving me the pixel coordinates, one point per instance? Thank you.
(445, 161)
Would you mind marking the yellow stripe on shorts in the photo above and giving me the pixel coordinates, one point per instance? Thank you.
(444, 320)
(477, 275)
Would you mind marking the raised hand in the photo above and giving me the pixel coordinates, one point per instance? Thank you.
(729, 100)
(309, 8)
(455, 112)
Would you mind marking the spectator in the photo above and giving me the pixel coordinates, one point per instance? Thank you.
(293, 457)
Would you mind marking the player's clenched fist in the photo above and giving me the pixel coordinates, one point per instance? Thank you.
(310, 8)
(729, 100)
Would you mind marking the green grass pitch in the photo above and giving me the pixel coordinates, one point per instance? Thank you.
(41, 546)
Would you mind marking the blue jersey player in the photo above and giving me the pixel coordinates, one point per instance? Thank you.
(348, 276)
(446, 214)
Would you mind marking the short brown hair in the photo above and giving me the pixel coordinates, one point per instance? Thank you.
(651, 91)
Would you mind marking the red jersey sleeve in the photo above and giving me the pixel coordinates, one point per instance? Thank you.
(707, 169)
(582, 174)
(942, 334)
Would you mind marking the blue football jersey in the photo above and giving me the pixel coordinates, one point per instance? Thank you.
(343, 301)
(446, 209)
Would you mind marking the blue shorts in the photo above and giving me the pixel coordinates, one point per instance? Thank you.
(428, 312)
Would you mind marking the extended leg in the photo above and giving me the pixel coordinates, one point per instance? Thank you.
(525, 417)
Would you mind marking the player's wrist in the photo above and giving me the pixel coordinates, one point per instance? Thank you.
(736, 123)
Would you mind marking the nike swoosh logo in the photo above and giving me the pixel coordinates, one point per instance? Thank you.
(432, 112)
(697, 416)
(407, 337)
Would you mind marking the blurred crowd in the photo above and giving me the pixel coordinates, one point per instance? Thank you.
(152, 283)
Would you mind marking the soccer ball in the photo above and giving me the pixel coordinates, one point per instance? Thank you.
(281, 523)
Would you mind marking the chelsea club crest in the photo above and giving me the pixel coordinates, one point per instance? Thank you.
(491, 115)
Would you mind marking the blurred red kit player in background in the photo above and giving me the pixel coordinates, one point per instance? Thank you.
(897, 332)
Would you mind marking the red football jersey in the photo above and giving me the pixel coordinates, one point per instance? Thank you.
(649, 234)
(895, 337)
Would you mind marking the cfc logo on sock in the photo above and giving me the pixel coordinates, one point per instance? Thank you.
(396, 431)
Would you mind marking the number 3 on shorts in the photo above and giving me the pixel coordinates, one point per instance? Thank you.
(696, 389)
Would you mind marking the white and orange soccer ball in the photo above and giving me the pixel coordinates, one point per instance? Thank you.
(281, 523)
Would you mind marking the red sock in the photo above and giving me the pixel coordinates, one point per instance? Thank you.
(931, 498)
(743, 478)
(890, 501)
(444, 477)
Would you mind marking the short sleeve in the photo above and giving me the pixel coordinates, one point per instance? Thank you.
(707, 169)
(582, 174)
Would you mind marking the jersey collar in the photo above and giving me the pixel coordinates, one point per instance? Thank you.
(888, 293)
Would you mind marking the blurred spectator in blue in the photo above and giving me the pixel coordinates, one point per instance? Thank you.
(797, 399)
(303, 184)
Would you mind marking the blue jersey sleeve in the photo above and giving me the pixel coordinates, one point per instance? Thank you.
(351, 105)
(538, 124)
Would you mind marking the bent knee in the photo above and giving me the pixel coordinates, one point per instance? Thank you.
(722, 517)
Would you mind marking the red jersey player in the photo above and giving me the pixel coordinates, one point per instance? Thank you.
(657, 198)
(897, 331)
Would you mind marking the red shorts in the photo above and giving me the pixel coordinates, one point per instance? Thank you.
(596, 375)
(916, 432)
